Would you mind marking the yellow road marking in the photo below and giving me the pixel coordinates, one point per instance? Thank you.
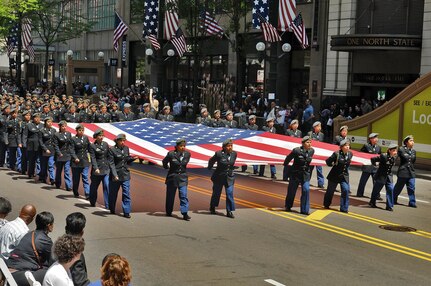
(319, 214)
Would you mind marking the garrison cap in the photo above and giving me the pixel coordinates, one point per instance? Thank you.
(229, 112)
(216, 111)
(47, 118)
(4, 107)
(373, 135)
(127, 105)
(79, 126)
(25, 112)
(93, 105)
(204, 109)
(36, 115)
(227, 142)
(45, 105)
(316, 123)
(120, 137)
(62, 123)
(305, 139)
(181, 141)
(146, 104)
(344, 127)
(407, 138)
(344, 142)
(269, 119)
(98, 132)
(392, 146)
(252, 117)
(13, 109)
(294, 121)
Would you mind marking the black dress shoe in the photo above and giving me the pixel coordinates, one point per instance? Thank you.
(305, 213)
(373, 205)
(379, 198)
(389, 209)
(112, 212)
(168, 214)
(186, 217)
(287, 209)
(92, 204)
(230, 215)
(212, 210)
(127, 216)
(346, 212)
(326, 207)
(412, 205)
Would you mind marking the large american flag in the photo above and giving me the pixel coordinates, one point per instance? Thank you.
(151, 21)
(209, 24)
(179, 42)
(120, 29)
(151, 139)
(286, 14)
(171, 19)
(12, 39)
(260, 10)
(299, 31)
(26, 38)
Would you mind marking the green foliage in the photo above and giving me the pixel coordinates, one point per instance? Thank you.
(12, 10)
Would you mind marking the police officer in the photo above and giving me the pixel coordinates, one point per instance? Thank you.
(300, 175)
(23, 160)
(383, 177)
(223, 176)
(119, 158)
(176, 161)
(293, 131)
(63, 143)
(100, 168)
(103, 116)
(217, 121)
(406, 171)
(31, 136)
(80, 161)
(271, 129)
(147, 112)
(316, 135)
(340, 161)
(229, 122)
(251, 125)
(368, 170)
(46, 142)
(342, 135)
(14, 138)
(126, 115)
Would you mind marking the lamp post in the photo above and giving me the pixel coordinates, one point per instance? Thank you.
(69, 71)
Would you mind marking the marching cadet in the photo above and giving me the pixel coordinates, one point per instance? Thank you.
(31, 136)
(103, 116)
(251, 125)
(300, 175)
(204, 119)
(293, 131)
(340, 161)
(176, 161)
(342, 135)
(46, 112)
(147, 112)
(229, 122)
(271, 129)
(46, 142)
(14, 138)
(119, 158)
(55, 111)
(217, 121)
(316, 135)
(166, 115)
(126, 115)
(99, 168)
(369, 170)
(23, 160)
(223, 176)
(3, 133)
(63, 144)
(406, 171)
(383, 177)
(80, 161)
(72, 116)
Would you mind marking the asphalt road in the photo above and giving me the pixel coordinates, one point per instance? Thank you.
(263, 245)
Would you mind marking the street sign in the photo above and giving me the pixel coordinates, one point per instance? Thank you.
(113, 62)
(51, 62)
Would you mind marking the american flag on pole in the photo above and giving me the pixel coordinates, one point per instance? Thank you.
(27, 40)
(171, 20)
(299, 31)
(151, 139)
(179, 42)
(210, 25)
(151, 21)
(120, 29)
(270, 34)
(12, 39)
(286, 14)
(260, 10)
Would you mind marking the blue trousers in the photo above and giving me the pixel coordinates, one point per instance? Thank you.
(378, 186)
(362, 183)
(320, 177)
(305, 194)
(65, 167)
(114, 186)
(215, 197)
(12, 157)
(286, 172)
(22, 161)
(171, 189)
(411, 184)
(33, 159)
(271, 167)
(94, 186)
(46, 167)
(344, 199)
(77, 173)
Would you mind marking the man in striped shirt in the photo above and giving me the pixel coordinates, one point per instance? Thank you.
(12, 232)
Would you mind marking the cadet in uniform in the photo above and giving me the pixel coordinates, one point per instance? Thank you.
(217, 121)
(406, 171)
(31, 136)
(300, 175)
(368, 170)
(72, 115)
(229, 122)
(176, 161)
(63, 143)
(293, 131)
(45, 112)
(147, 113)
(271, 129)
(204, 119)
(166, 115)
(342, 135)
(223, 176)
(126, 115)
(103, 116)
(23, 161)
(316, 135)
(383, 177)
(3, 133)
(251, 125)
(339, 174)
(14, 138)
(46, 142)
(100, 168)
(119, 158)
(114, 112)
(80, 161)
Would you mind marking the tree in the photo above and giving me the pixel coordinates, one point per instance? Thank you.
(58, 21)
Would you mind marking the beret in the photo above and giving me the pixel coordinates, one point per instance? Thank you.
(344, 127)
(98, 132)
(392, 146)
(373, 135)
(294, 122)
(316, 123)
(252, 117)
(127, 105)
(305, 139)
(407, 138)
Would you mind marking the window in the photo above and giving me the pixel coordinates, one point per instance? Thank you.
(102, 12)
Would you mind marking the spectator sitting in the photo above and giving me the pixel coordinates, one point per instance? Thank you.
(115, 271)
(5, 209)
(12, 232)
(68, 249)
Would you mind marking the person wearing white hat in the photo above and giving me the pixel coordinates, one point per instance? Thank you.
(342, 135)
(229, 122)
(204, 118)
(217, 121)
(147, 112)
(372, 147)
(293, 131)
(166, 115)
(80, 162)
(127, 114)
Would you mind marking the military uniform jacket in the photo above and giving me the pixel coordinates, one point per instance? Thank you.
(14, 132)
(270, 130)
(31, 136)
(126, 116)
(407, 159)
(103, 117)
(114, 116)
(204, 121)
(99, 158)
(165, 117)
(3, 129)
(24, 133)
(316, 136)
(223, 173)
(370, 149)
(217, 123)
(45, 115)
(251, 127)
(384, 171)
(88, 117)
(146, 115)
(340, 163)
(176, 162)
(47, 141)
(63, 144)
(338, 139)
(301, 163)
(231, 124)
(79, 150)
(119, 158)
(294, 133)
(55, 115)
(72, 117)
